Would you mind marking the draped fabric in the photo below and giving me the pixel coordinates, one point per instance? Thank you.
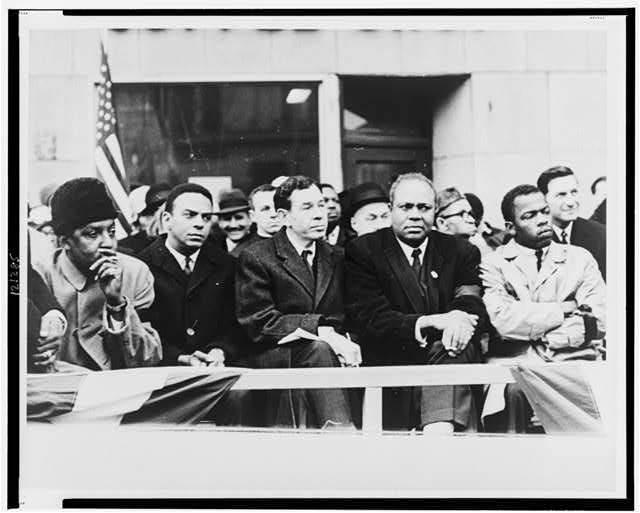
(180, 395)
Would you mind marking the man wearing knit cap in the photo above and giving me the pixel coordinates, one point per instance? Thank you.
(105, 294)
(453, 214)
(369, 208)
(234, 221)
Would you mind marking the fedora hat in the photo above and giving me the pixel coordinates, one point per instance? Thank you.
(154, 198)
(231, 201)
(365, 193)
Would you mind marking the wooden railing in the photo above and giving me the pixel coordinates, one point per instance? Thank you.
(374, 379)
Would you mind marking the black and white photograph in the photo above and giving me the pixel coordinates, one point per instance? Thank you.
(321, 256)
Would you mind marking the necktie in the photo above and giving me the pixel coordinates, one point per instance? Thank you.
(538, 258)
(415, 263)
(563, 237)
(306, 253)
(187, 265)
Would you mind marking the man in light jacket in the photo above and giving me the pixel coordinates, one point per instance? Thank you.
(546, 300)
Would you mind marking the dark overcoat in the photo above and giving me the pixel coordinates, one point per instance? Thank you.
(591, 236)
(275, 292)
(195, 312)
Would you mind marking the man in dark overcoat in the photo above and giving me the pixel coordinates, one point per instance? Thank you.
(560, 188)
(413, 296)
(290, 287)
(194, 308)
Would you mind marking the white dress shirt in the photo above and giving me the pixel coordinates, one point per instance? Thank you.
(181, 259)
(567, 230)
(408, 250)
(332, 238)
(530, 262)
(311, 246)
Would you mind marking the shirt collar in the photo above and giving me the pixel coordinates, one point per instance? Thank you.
(299, 247)
(567, 230)
(180, 258)
(529, 252)
(408, 250)
(332, 237)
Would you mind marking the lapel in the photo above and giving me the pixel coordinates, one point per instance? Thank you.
(161, 257)
(292, 262)
(515, 274)
(325, 267)
(556, 257)
(403, 272)
(577, 238)
(432, 271)
(205, 266)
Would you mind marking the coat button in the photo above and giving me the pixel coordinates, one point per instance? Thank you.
(191, 332)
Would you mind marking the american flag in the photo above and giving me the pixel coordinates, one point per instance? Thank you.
(108, 155)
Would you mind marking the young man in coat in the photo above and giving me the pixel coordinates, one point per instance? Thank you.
(105, 294)
(547, 300)
(560, 188)
(290, 282)
(413, 298)
(194, 308)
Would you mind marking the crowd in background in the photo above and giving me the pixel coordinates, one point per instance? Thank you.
(298, 275)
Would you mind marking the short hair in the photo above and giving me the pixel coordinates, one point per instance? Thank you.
(551, 174)
(265, 187)
(596, 182)
(510, 197)
(282, 196)
(326, 185)
(184, 188)
(409, 176)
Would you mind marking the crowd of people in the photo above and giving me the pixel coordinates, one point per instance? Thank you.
(297, 275)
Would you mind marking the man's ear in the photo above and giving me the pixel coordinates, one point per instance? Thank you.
(441, 224)
(510, 227)
(166, 217)
(283, 216)
(252, 215)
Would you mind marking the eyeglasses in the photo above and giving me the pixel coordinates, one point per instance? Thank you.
(462, 213)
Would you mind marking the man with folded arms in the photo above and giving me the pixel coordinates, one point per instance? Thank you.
(294, 281)
(546, 300)
(105, 294)
(413, 298)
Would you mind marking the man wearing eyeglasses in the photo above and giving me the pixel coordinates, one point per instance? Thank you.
(454, 214)
(413, 298)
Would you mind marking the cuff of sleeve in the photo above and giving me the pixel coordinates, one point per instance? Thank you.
(113, 326)
(420, 339)
(310, 323)
(61, 318)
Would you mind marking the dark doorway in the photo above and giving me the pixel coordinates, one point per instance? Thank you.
(387, 125)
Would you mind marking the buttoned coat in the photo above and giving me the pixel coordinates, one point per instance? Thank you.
(384, 299)
(275, 292)
(90, 340)
(591, 236)
(524, 313)
(195, 312)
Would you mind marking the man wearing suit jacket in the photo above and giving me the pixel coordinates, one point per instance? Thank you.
(194, 308)
(413, 298)
(294, 281)
(560, 187)
(546, 300)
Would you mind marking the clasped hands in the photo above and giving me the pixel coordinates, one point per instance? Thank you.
(457, 328)
(214, 358)
(347, 351)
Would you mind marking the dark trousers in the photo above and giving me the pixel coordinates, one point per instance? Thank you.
(314, 408)
(414, 407)
(516, 416)
(236, 408)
